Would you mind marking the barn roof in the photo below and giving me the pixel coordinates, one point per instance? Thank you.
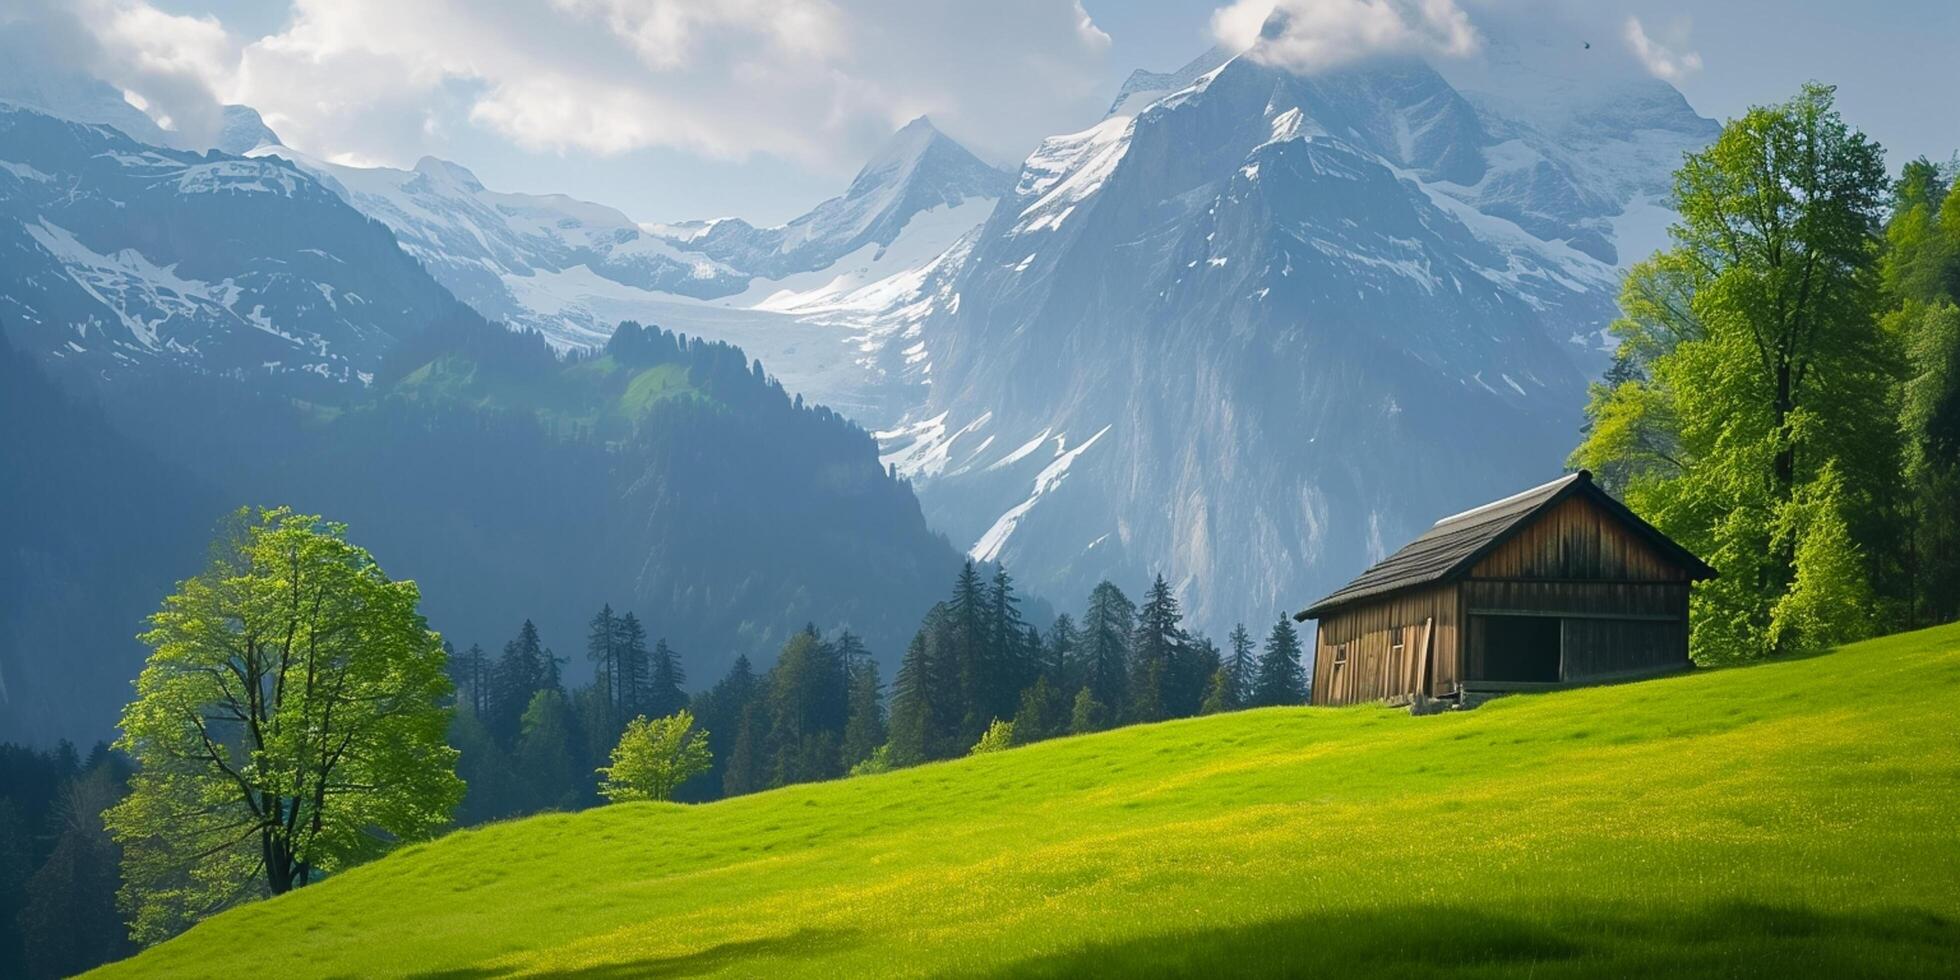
(1456, 542)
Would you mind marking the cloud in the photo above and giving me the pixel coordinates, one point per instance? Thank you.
(1664, 61)
(1317, 35)
(173, 65)
(815, 81)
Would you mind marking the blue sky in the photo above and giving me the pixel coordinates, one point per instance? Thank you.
(764, 115)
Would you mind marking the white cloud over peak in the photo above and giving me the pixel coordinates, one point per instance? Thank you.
(1666, 61)
(1317, 35)
(168, 63)
(818, 81)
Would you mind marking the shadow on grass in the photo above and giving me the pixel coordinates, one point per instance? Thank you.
(751, 953)
(1735, 939)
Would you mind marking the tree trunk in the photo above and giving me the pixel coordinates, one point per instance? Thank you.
(279, 866)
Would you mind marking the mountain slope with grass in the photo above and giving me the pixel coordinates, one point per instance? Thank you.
(1792, 817)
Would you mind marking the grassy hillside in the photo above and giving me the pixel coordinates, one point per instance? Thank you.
(1795, 817)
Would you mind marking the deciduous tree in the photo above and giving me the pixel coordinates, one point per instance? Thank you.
(289, 722)
(654, 757)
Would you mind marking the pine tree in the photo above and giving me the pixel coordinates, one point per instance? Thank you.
(913, 710)
(1033, 652)
(807, 704)
(602, 648)
(864, 722)
(968, 642)
(16, 864)
(1281, 680)
(1197, 665)
(1239, 669)
(471, 671)
(70, 922)
(745, 772)
(1006, 666)
(523, 670)
(664, 692)
(1059, 653)
(1105, 642)
(1152, 654)
(635, 668)
(719, 710)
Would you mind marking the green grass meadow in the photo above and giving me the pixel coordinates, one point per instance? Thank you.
(1796, 818)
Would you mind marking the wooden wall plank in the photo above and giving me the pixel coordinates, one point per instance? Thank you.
(1578, 539)
(1371, 633)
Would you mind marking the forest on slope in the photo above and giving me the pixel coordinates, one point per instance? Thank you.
(664, 474)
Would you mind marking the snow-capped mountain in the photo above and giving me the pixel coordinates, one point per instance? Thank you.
(520, 258)
(818, 299)
(918, 169)
(116, 255)
(1256, 331)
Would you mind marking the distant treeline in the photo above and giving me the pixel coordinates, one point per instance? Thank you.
(821, 711)
(59, 868)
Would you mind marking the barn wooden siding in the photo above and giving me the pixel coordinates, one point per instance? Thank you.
(1624, 604)
(1373, 668)
(1578, 539)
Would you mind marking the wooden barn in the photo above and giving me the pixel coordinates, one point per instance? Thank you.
(1559, 585)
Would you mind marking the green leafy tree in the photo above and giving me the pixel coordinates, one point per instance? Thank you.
(289, 723)
(1218, 696)
(1041, 713)
(1756, 368)
(653, 758)
(491, 785)
(546, 745)
(1280, 680)
(1087, 714)
(880, 760)
(998, 737)
(1921, 281)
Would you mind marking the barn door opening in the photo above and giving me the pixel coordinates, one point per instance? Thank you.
(1521, 648)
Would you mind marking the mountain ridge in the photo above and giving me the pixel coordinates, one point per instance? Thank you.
(1181, 345)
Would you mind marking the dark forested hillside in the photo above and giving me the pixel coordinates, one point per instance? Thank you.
(92, 528)
(666, 475)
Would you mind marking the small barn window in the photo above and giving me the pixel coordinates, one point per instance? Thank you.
(1340, 656)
